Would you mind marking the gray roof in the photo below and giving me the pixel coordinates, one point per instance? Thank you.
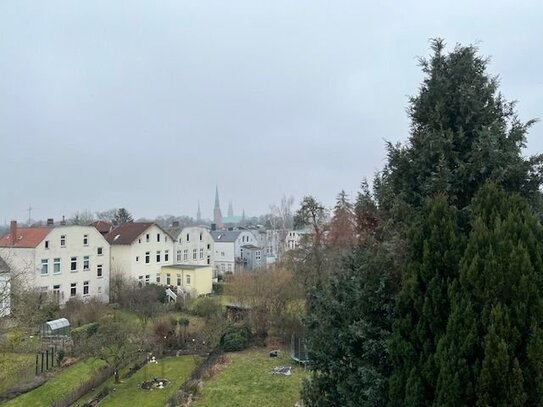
(58, 323)
(225, 235)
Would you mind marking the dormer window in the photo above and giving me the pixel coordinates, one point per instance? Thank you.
(47, 244)
(158, 237)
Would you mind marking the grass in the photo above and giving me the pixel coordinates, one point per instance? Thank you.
(14, 368)
(61, 384)
(245, 381)
(127, 393)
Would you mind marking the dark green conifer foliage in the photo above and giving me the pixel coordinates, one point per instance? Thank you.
(423, 304)
(491, 352)
(463, 133)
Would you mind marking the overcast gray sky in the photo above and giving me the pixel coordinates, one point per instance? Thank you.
(150, 104)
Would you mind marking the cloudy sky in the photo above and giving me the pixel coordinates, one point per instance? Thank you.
(150, 104)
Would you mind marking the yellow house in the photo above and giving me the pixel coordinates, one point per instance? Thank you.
(193, 279)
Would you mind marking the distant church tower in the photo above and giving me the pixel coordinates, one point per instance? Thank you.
(230, 210)
(217, 215)
(199, 215)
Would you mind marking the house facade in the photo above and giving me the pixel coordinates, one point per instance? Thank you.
(5, 289)
(66, 261)
(227, 249)
(139, 250)
(194, 245)
(188, 278)
(253, 257)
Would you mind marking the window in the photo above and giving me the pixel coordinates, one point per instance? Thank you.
(56, 292)
(137, 259)
(44, 266)
(73, 289)
(56, 265)
(147, 279)
(63, 241)
(73, 264)
(188, 237)
(188, 279)
(257, 255)
(158, 256)
(208, 259)
(178, 255)
(168, 279)
(147, 257)
(47, 244)
(222, 254)
(99, 251)
(229, 267)
(139, 240)
(158, 237)
(222, 267)
(85, 240)
(86, 263)
(201, 237)
(99, 290)
(166, 255)
(185, 254)
(147, 237)
(99, 271)
(85, 288)
(194, 253)
(165, 238)
(208, 246)
(158, 278)
(178, 280)
(201, 254)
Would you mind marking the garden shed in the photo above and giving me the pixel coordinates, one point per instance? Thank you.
(57, 327)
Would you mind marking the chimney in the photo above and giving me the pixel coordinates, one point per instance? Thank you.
(50, 222)
(175, 223)
(13, 232)
(63, 221)
(213, 226)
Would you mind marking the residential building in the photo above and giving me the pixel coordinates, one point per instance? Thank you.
(139, 250)
(294, 238)
(5, 289)
(188, 278)
(193, 245)
(227, 248)
(66, 261)
(271, 243)
(252, 257)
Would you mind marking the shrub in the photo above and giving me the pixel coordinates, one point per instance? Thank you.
(218, 288)
(236, 338)
(206, 307)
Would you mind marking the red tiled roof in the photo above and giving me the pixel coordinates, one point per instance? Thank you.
(26, 237)
(126, 233)
(101, 226)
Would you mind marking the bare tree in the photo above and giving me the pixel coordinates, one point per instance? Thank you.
(82, 218)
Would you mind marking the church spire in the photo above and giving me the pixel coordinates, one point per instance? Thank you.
(199, 215)
(217, 215)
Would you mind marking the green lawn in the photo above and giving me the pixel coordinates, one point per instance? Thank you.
(127, 393)
(245, 381)
(59, 385)
(14, 368)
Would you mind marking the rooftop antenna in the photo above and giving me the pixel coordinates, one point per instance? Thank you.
(29, 210)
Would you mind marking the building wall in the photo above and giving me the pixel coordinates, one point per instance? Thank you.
(130, 260)
(195, 281)
(71, 261)
(244, 238)
(194, 241)
(5, 308)
(225, 257)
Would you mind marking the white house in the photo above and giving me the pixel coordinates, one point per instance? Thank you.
(194, 245)
(66, 261)
(228, 248)
(294, 238)
(139, 250)
(5, 292)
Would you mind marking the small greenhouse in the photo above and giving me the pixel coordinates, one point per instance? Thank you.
(57, 327)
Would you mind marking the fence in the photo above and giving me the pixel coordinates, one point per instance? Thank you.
(188, 388)
(84, 388)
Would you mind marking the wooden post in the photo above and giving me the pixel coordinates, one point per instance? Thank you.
(37, 357)
(52, 356)
(42, 357)
(47, 359)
